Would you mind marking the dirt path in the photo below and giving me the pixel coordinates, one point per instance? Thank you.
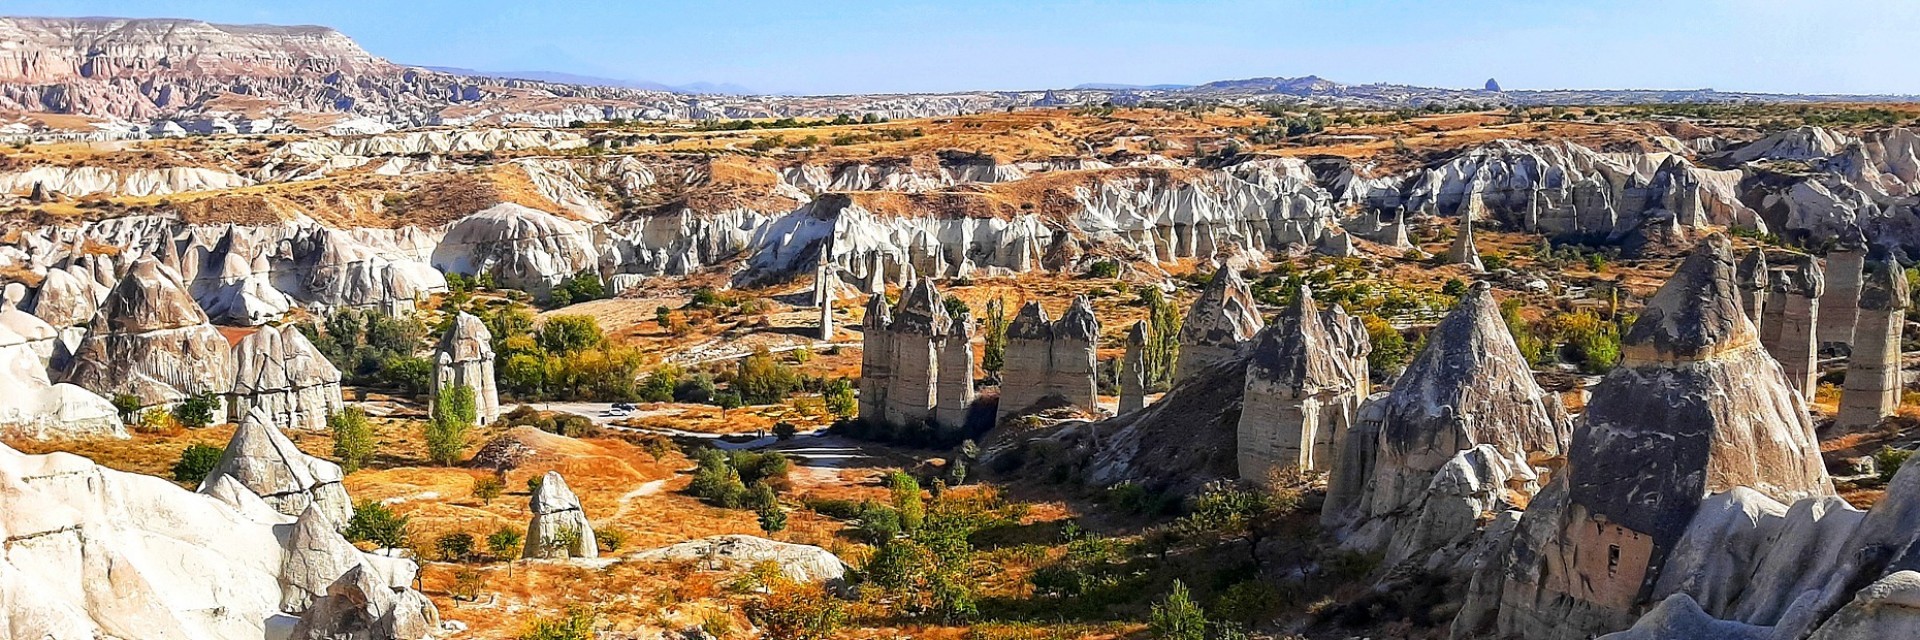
(645, 489)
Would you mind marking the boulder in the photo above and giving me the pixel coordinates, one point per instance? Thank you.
(1888, 608)
(559, 528)
(32, 407)
(262, 459)
(316, 557)
(361, 606)
(798, 562)
(1306, 376)
(1679, 618)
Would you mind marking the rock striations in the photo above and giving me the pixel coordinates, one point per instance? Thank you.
(279, 372)
(559, 528)
(261, 458)
(1459, 436)
(1695, 407)
(151, 340)
(1217, 323)
(1306, 376)
(1050, 360)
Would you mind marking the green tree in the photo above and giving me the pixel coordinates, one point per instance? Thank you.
(504, 543)
(568, 334)
(907, 500)
(839, 397)
(772, 518)
(488, 487)
(196, 462)
(127, 405)
(1178, 617)
(196, 411)
(454, 547)
(761, 379)
(452, 416)
(353, 442)
(1163, 339)
(374, 522)
(1454, 287)
(995, 326)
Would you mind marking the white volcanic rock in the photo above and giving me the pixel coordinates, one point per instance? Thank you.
(798, 562)
(556, 510)
(97, 553)
(263, 460)
(233, 281)
(152, 341)
(1802, 143)
(1678, 617)
(278, 371)
(465, 358)
(1219, 321)
(522, 248)
(1888, 608)
(76, 182)
(31, 406)
(331, 268)
(360, 605)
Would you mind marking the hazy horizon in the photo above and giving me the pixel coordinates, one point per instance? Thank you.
(1770, 46)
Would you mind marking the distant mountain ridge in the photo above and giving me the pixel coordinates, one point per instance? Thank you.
(152, 70)
(561, 77)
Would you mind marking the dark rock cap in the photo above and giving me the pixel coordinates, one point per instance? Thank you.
(1078, 323)
(1030, 324)
(1696, 314)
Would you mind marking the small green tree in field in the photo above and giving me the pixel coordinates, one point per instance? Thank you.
(127, 405)
(197, 411)
(452, 417)
(504, 544)
(1178, 617)
(196, 462)
(353, 442)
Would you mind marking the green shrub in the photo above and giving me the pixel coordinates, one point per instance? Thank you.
(839, 396)
(451, 417)
(454, 547)
(196, 462)
(610, 540)
(374, 522)
(1888, 461)
(196, 411)
(1178, 617)
(505, 543)
(353, 442)
(488, 487)
(576, 624)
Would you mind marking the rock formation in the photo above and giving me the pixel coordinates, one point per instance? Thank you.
(262, 459)
(279, 372)
(1873, 367)
(359, 605)
(1694, 408)
(804, 564)
(521, 248)
(1789, 321)
(1460, 435)
(1133, 370)
(1753, 286)
(68, 303)
(151, 340)
(559, 528)
(100, 553)
(1219, 321)
(1840, 304)
(31, 406)
(918, 322)
(876, 359)
(1306, 377)
(1049, 359)
(465, 359)
(953, 391)
(1463, 251)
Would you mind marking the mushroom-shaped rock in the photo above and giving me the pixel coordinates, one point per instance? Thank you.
(263, 460)
(465, 359)
(559, 528)
(362, 606)
(279, 372)
(1753, 284)
(152, 341)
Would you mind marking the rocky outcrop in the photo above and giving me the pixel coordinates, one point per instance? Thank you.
(31, 406)
(1133, 369)
(918, 324)
(559, 528)
(1219, 321)
(876, 359)
(233, 282)
(1873, 382)
(77, 182)
(1306, 376)
(521, 248)
(67, 303)
(93, 552)
(1694, 408)
(361, 606)
(465, 359)
(1789, 321)
(152, 341)
(1464, 252)
(805, 564)
(1753, 287)
(279, 372)
(262, 459)
(1050, 360)
(1840, 304)
(953, 392)
(1458, 437)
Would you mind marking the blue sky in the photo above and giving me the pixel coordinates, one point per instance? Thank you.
(831, 46)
